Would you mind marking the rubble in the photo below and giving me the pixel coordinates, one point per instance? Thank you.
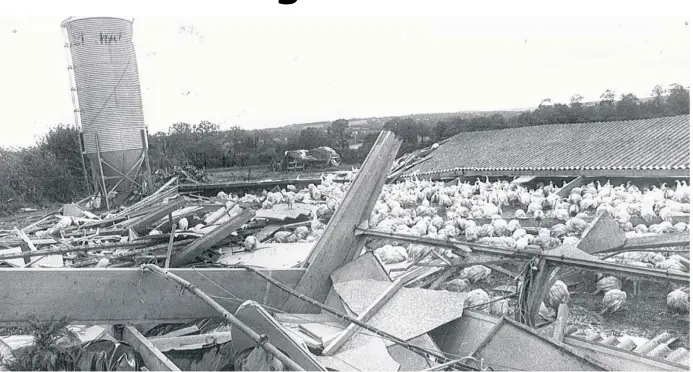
(421, 275)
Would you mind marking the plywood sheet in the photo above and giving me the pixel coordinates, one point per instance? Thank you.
(366, 266)
(281, 212)
(464, 335)
(410, 313)
(512, 346)
(411, 361)
(273, 256)
(369, 354)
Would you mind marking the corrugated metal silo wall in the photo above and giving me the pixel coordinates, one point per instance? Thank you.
(107, 82)
(108, 92)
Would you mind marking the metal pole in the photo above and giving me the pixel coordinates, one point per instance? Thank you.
(75, 107)
(148, 168)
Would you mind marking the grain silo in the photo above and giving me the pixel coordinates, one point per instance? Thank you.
(108, 103)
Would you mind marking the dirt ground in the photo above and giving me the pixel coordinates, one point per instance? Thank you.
(644, 315)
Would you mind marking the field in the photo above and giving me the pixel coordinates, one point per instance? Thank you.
(263, 172)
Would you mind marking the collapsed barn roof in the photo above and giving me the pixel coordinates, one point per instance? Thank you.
(641, 148)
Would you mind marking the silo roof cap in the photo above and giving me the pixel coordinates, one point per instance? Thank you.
(72, 19)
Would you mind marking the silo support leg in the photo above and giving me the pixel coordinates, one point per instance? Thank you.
(104, 190)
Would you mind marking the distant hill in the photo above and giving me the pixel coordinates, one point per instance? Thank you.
(376, 123)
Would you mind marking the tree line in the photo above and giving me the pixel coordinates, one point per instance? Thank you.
(51, 171)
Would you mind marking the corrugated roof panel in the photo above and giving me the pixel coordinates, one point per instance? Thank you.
(660, 143)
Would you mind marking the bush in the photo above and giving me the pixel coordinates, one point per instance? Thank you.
(49, 172)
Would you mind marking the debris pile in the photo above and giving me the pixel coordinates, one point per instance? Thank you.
(178, 222)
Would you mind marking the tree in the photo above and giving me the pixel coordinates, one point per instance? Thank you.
(180, 128)
(606, 105)
(607, 98)
(206, 127)
(679, 100)
(338, 130)
(576, 101)
(311, 138)
(628, 107)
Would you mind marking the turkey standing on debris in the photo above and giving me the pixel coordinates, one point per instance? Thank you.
(558, 294)
(250, 243)
(183, 224)
(613, 301)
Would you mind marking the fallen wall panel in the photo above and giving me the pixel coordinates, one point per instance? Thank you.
(130, 295)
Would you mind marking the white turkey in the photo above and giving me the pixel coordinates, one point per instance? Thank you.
(613, 301)
(558, 294)
(475, 273)
(678, 301)
(607, 283)
(250, 243)
(457, 285)
(478, 300)
(389, 254)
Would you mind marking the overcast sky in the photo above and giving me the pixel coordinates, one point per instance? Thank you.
(279, 65)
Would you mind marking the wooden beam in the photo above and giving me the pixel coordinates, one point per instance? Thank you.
(156, 215)
(564, 192)
(153, 358)
(165, 343)
(657, 241)
(540, 284)
(189, 253)
(602, 234)
(367, 314)
(338, 244)
(595, 264)
(561, 321)
(117, 296)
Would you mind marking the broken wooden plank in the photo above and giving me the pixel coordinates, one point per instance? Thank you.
(189, 253)
(157, 214)
(323, 332)
(602, 234)
(512, 346)
(337, 245)
(678, 239)
(366, 315)
(541, 282)
(113, 296)
(620, 359)
(153, 358)
(266, 232)
(165, 343)
(559, 325)
(181, 332)
(565, 191)
(257, 318)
